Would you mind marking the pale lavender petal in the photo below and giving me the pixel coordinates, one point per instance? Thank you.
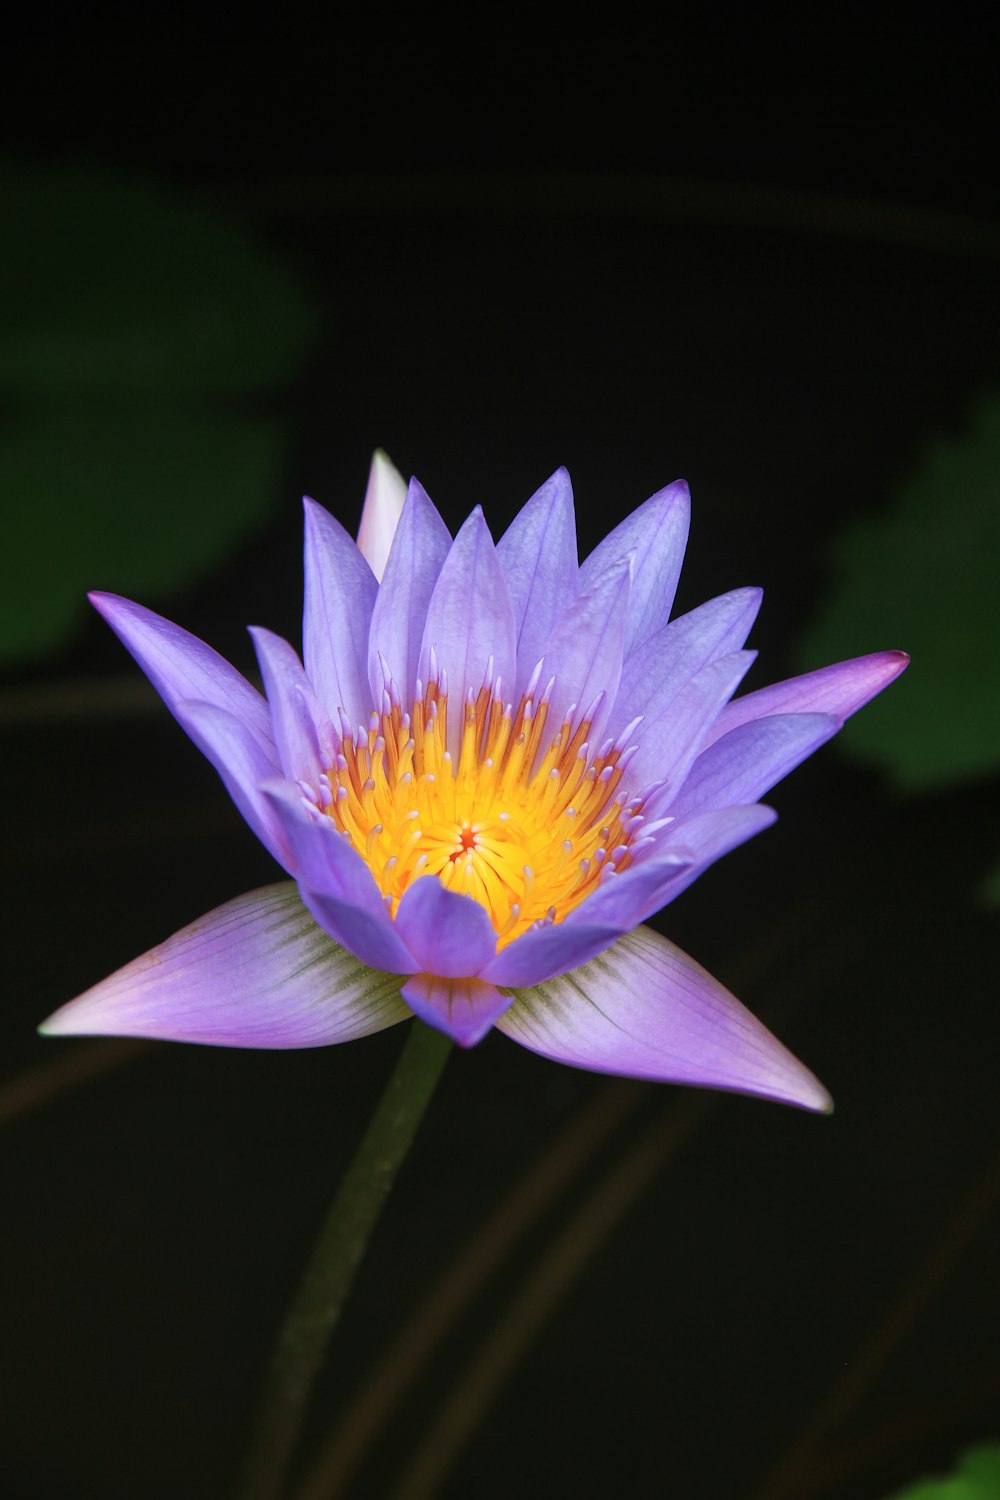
(747, 762)
(302, 730)
(448, 934)
(336, 884)
(839, 690)
(584, 650)
(672, 734)
(469, 620)
(657, 670)
(464, 1009)
(417, 555)
(646, 1010)
(381, 511)
(340, 591)
(657, 534)
(257, 972)
(244, 764)
(180, 666)
(538, 555)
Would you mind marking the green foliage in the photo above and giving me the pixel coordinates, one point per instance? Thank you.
(977, 1477)
(138, 323)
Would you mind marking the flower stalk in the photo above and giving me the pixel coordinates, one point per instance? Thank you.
(329, 1274)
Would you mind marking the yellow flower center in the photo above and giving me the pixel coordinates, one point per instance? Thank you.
(527, 831)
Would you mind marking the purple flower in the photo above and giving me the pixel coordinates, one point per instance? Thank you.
(491, 766)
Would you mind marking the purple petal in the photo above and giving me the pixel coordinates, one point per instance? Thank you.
(181, 667)
(747, 762)
(657, 534)
(464, 1009)
(381, 512)
(469, 620)
(236, 753)
(256, 972)
(584, 651)
(538, 555)
(672, 734)
(417, 555)
(336, 884)
(340, 591)
(302, 730)
(839, 690)
(646, 1010)
(543, 951)
(448, 934)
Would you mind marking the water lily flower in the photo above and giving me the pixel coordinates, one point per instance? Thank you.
(489, 768)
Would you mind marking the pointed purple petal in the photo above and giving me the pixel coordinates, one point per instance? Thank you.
(303, 733)
(181, 667)
(469, 620)
(538, 555)
(381, 512)
(839, 690)
(336, 884)
(543, 951)
(747, 762)
(584, 650)
(448, 934)
(671, 735)
(237, 755)
(646, 1010)
(657, 533)
(256, 972)
(464, 1009)
(340, 591)
(417, 555)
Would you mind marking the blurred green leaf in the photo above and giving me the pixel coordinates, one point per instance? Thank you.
(922, 575)
(977, 1477)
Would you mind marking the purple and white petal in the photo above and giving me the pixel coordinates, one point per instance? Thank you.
(839, 690)
(303, 734)
(244, 764)
(584, 651)
(646, 1010)
(657, 534)
(448, 934)
(464, 1009)
(748, 761)
(257, 972)
(416, 557)
(538, 555)
(340, 592)
(381, 511)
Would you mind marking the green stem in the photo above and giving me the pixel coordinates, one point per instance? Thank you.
(340, 1246)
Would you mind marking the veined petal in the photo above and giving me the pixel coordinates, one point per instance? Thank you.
(257, 972)
(839, 690)
(302, 730)
(657, 534)
(381, 511)
(416, 557)
(538, 555)
(465, 1009)
(469, 620)
(181, 667)
(584, 650)
(243, 763)
(646, 1010)
(449, 935)
(336, 884)
(748, 761)
(671, 735)
(340, 591)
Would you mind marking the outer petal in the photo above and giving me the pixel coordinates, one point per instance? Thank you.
(449, 935)
(538, 555)
(381, 512)
(256, 972)
(469, 620)
(337, 886)
(646, 1010)
(302, 730)
(657, 533)
(748, 761)
(242, 762)
(465, 1009)
(417, 555)
(340, 590)
(584, 651)
(839, 690)
(181, 667)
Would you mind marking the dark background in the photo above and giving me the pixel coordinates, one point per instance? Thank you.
(739, 247)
